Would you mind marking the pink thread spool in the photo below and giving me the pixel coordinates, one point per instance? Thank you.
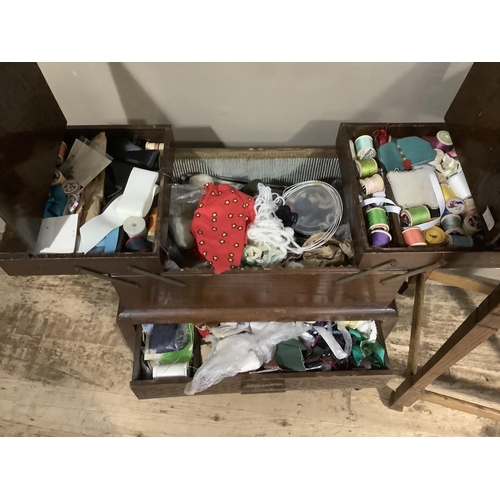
(373, 184)
(414, 237)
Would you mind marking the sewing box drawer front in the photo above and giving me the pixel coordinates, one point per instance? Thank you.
(284, 292)
(404, 256)
(16, 259)
(148, 388)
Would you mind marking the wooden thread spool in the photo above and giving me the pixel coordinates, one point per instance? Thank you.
(415, 215)
(364, 147)
(377, 219)
(414, 237)
(367, 167)
(373, 184)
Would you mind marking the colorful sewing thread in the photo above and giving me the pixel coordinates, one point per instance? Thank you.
(367, 167)
(460, 241)
(413, 237)
(364, 147)
(472, 224)
(415, 216)
(377, 219)
(435, 237)
(447, 192)
(454, 206)
(452, 224)
(444, 139)
(373, 184)
(380, 238)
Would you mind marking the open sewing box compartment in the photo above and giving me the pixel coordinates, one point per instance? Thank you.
(31, 131)
(261, 293)
(473, 121)
(148, 388)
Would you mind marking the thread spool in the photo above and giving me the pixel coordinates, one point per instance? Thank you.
(458, 241)
(71, 187)
(415, 215)
(377, 219)
(158, 146)
(367, 167)
(62, 153)
(364, 147)
(443, 136)
(58, 178)
(472, 224)
(458, 184)
(352, 149)
(134, 226)
(414, 237)
(435, 237)
(447, 192)
(373, 184)
(470, 206)
(450, 223)
(454, 206)
(152, 225)
(380, 238)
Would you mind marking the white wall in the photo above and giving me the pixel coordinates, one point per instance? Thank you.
(254, 104)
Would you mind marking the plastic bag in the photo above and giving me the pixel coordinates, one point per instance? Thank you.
(184, 201)
(243, 352)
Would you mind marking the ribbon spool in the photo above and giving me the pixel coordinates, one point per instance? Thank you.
(380, 238)
(447, 192)
(435, 237)
(414, 237)
(444, 139)
(134, 226)
(415, 215)
(71, 187)
(377, 219)
(373, 184)
(454, 206)
(364, 147)
(367, 167)
(472, 224)
(452, 224)
(458, 241)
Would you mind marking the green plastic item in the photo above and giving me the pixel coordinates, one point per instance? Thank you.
(289, 355)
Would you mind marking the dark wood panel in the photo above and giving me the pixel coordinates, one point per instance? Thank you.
(31, 130)
(474, 124)
(279, 289)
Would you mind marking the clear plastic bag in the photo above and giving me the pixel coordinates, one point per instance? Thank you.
(243, 352)
(184, 200)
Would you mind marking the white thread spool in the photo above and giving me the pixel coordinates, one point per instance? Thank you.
(459, 186)
(134, 226)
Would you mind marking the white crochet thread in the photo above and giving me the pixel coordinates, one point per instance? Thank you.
(268, 230)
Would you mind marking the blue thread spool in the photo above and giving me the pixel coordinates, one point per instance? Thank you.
(458, 241)
(364, 147)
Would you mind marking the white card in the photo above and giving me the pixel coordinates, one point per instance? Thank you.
(57, 234)
(488, 218)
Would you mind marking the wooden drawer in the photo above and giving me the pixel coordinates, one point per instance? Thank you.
(474, 125)
(257, 383)
(38, 126)
(283, 292)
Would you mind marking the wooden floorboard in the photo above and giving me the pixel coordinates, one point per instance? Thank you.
(64, 371)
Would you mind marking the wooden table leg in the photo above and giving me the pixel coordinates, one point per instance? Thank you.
(478, 327)
(416, 324)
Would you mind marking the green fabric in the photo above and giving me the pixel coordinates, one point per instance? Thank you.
(363, 348)
(289, 355)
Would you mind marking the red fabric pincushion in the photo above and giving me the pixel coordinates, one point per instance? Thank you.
(220, 225)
